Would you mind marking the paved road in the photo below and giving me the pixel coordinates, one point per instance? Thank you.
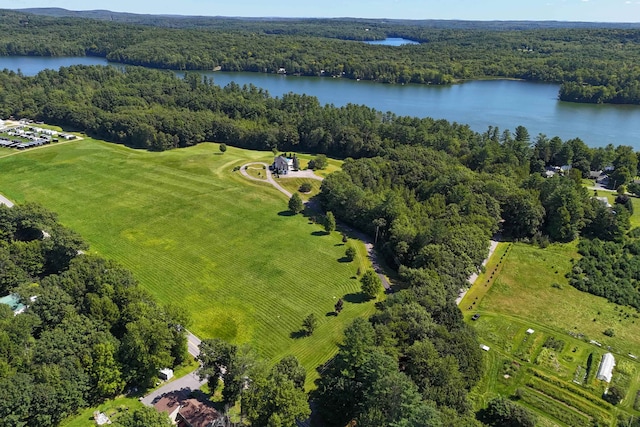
(193, 343)
(373, 256)
(5, 201)
(189, 381)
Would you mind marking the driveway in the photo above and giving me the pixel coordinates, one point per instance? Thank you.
(189, 381)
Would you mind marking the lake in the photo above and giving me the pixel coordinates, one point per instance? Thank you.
(393, 41)
(502, 103)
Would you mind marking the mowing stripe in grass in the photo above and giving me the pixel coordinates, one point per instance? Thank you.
(198, 234)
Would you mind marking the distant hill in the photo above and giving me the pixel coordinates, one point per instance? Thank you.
(186, 21)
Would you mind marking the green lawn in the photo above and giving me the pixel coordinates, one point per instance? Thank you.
(199, 235)
(293, 186)
(112, 408)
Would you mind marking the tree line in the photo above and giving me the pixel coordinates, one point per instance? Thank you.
(593, 64)
(89, 331)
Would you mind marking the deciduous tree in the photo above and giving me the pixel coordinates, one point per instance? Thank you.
(295, 203)
(370, 284)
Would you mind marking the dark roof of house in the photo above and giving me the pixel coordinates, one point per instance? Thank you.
(170, 401)
(280, 163)
(197, 413)
(192, 413)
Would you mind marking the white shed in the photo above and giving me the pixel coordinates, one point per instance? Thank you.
(485, 347)
(166, 374)
(530, 331)
(605, 371)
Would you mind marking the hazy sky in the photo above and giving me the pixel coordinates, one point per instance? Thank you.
(563, 10)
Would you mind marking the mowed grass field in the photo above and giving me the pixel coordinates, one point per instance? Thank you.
(201, 236)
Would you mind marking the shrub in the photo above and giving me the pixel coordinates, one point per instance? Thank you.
(502, 412)
(554, 343)
(609, 332)
(350, 253)
(614, 395)
(305, 188)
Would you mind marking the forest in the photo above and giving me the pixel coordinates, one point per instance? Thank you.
(595, 65)
(89, 332)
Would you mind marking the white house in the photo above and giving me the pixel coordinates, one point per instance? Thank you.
(605, 371)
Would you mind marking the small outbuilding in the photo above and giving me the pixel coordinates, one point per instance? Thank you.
(166, 374)
(485, 347)
(530, 331)
(605, 371)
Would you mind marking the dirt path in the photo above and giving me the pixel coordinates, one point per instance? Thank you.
(371, 253)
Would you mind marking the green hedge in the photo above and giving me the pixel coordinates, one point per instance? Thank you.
(555, 409)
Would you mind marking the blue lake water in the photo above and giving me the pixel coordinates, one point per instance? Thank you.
(502, 103)
(393, 41)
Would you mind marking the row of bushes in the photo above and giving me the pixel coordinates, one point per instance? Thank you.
(565, 397)
(554, 409)
(572, 389)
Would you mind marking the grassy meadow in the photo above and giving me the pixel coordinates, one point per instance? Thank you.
(525, 287)
(201, 236)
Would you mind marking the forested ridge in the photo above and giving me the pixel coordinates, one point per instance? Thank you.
(88, 332)
(433, 192)
(597, 65)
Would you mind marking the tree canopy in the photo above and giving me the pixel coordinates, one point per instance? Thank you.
(88, 330)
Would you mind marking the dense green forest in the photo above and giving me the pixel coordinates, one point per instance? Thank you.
(434, 192)
(597, 65)
(88, 331)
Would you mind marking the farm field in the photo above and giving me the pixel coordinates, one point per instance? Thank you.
(553, 369)
(201, 236)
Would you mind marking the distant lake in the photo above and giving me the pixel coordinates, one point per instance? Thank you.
(502, 103)
(392, 41)
(32, 65)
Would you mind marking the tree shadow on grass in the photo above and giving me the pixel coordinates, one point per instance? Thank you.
(356, 298)
(319, 233)
(298, 334)
(331, 314)
(339, 244)
(344, 260)
(286, 213)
